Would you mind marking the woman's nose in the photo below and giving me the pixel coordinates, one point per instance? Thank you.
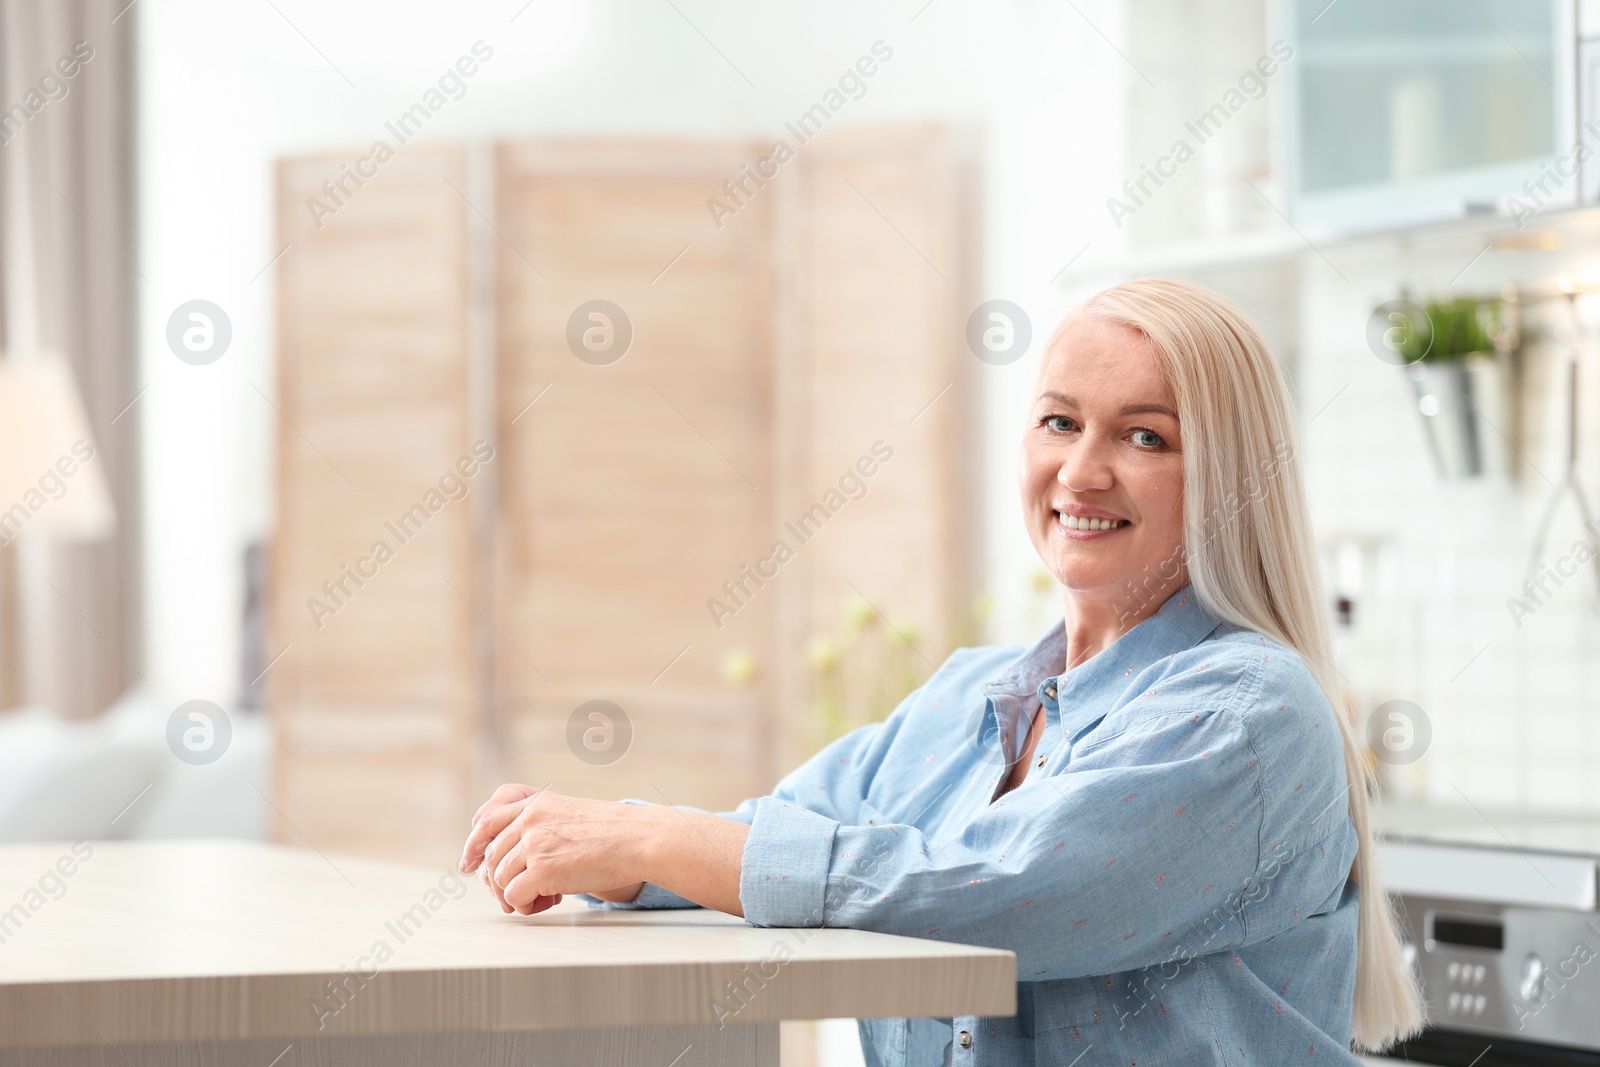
(1087, 465)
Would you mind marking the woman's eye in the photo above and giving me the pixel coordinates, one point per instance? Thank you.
(1060, 423)
(1147, 439)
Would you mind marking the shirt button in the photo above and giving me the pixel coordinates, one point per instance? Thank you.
(1041, 760)
(964, 1039)
(1050, 690)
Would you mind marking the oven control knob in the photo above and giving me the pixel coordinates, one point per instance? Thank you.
(1455, 1001)
(1454, 970)
(1532, 976)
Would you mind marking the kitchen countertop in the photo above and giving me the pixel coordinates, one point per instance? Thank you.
(1569, 832)
(1534, 859)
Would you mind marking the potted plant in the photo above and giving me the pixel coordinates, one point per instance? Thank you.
(1455, 357)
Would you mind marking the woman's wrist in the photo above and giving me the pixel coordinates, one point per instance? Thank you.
(694, 854)
(636, 852)
(652, 843)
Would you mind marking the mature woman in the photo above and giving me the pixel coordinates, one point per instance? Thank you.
(1156, 807)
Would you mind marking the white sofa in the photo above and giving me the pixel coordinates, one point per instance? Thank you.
(115, 777)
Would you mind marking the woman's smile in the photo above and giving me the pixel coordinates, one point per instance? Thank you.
(1082, 523)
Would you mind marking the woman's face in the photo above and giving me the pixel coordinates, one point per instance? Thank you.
(1102, 466)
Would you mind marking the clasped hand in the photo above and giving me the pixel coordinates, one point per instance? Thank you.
(530, 846)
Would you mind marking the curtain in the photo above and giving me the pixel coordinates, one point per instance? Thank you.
(70, 613)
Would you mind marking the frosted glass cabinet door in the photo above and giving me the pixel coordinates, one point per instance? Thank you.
(1426, 109)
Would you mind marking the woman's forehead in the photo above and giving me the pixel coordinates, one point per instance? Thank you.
(1091, 356)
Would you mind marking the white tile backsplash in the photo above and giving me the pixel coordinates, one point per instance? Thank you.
(1558, 784)
(1520, 726)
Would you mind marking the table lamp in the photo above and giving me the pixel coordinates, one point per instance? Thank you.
(52, 482)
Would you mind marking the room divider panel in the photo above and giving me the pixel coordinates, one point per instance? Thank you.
(729, 392)
(640, 479)
(373, 698)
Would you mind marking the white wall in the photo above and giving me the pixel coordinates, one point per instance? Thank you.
(227, 88)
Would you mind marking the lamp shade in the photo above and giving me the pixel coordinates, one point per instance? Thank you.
(51, 476)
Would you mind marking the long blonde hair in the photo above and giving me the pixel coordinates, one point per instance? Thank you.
(1258, 568)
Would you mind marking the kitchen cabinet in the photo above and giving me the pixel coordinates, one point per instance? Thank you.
(1429, 109)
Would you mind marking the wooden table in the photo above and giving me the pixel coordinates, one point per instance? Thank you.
(191, 952)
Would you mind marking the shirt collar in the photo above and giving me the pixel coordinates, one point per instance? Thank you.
(1180, 623)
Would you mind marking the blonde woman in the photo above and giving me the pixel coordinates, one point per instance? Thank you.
(1156, 807)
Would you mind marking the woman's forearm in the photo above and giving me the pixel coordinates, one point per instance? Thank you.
(695, 855)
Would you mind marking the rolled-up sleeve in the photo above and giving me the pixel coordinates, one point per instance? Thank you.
(787, 857)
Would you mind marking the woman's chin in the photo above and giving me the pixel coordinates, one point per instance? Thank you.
(1089, 577)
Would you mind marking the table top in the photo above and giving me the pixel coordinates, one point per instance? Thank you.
(202, 940)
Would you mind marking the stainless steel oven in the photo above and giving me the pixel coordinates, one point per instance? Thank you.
(1506, 942)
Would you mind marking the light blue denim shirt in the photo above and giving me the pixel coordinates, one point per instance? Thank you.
(1172, 873)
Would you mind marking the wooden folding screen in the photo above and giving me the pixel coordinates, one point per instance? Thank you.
(875, 284)
(779, 331)
(373, 695)
(632, 490)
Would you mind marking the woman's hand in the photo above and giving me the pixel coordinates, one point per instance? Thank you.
(511, 793)
(531, 846)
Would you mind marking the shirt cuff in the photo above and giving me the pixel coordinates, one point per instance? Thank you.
(650, 896)
(783, 880)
